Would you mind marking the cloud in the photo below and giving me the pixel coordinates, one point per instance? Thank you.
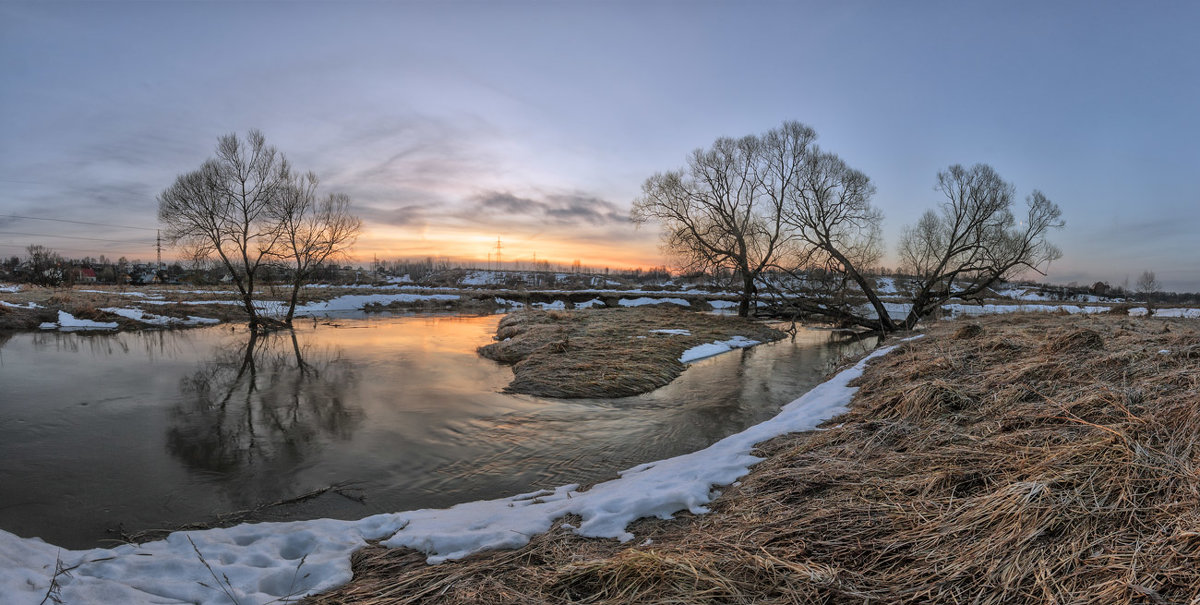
(409, 215)
(556, 209)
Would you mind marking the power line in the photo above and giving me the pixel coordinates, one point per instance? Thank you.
(63, 220)
(95, 239)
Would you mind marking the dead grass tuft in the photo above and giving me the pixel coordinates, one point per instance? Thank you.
(968, 331)
(1074, 341)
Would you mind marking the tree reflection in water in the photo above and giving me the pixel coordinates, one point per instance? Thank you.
(263, 408)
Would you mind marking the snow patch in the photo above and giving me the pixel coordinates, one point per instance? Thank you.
(158, 320)
(673, 331)
(645, 300)
(28, 305)
(1174, 313)
(699, 352)
(595, 302)
(69, 323)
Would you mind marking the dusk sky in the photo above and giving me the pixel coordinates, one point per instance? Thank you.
(453, 123)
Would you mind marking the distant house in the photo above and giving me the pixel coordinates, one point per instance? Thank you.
(85, 275)
(145, 276)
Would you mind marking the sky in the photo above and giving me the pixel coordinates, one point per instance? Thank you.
(452, 124)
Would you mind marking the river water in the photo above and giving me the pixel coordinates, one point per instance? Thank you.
(101, 433)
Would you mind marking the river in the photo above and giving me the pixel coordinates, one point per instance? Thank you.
(103, 433)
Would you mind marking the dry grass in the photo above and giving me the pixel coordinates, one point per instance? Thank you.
(606, 352)
(85, 302)
(1039, 459)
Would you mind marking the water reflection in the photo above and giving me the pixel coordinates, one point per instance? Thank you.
(159, 429)
(268, 402)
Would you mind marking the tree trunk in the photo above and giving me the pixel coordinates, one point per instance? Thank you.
(748, 290)
(291, 310)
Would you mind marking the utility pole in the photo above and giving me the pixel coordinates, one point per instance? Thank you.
(499, 262)
(158, 245)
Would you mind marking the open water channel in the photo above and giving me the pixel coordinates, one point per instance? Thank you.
(145, 430)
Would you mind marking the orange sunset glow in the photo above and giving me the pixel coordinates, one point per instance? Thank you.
(517, 248)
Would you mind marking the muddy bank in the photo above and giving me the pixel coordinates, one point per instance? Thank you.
(607, 352)
(1027, 459)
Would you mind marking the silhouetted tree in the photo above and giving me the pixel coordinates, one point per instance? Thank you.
(725, 208)
(247, 208)
(45, 266)
(1148, 285)
(313, 230)
(973, 240)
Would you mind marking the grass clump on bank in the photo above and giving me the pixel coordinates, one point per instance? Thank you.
(1030, 459)
(606, 352)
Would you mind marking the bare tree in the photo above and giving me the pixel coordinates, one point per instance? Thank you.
(45, 266)
(224, 209)
(247, 208)
(973, 240)
(724, 210)
(836, 236)
(1148, 285)
(312, 230)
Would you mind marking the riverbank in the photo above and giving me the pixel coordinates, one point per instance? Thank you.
(1017, 459)
(612, 352)
(121, 308)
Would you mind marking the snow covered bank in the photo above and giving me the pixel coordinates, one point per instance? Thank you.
(28, 305)
(158, 320)
(645, 300)
(69, 323)
(959, 310)
(265, 562)
(355, 302)
(703, 351)
(1179, 313)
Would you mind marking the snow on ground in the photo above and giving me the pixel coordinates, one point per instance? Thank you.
(967, 310)
(134, 294)
(158, 320)
(269, 562)
(673, 331)
(1023, 294)
(885, 285)
(11, 288)
(69, 323)
(1179, 313)
(595, 302)
(190, 302)
(354, 302)
(28, 305)
(722, 304)
(639, 302)
(480, 278)
(557, 305)
(699, 352)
